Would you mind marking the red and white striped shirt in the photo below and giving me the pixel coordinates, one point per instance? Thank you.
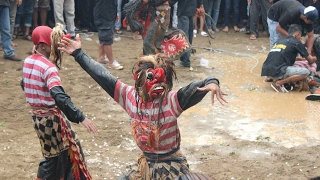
(305, 64)
(39, 76)
(154, 131)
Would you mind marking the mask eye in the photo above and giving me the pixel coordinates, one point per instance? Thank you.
(150, 76)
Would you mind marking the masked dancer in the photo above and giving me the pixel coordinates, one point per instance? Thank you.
(153, 108)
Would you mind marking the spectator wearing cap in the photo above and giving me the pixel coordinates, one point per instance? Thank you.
(316, 4)
(286, 12)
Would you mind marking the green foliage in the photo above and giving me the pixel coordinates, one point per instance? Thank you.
(2, 123)
(261, 138)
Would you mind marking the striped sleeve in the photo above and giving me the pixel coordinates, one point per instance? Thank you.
(51, 77)
(305, 64)
(124, 95)
(174, 103)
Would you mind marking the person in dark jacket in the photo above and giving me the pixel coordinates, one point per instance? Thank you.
(186, 12)
(8, 51)
(153, 109)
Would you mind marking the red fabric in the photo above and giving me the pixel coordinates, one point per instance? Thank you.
(124, 22)
(305, 64)
(175, 43)
(41, 34)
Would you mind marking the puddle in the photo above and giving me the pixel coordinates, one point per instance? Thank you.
(254, 109)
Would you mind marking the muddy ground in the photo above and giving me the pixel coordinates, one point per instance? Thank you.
(259, 134)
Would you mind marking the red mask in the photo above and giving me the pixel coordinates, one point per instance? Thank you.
(155, 77)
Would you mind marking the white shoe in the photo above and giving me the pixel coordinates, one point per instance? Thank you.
(115, 65)
(195, 33)
(203, 34)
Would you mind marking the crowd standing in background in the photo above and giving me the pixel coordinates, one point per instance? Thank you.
(76, 15)
(20, 17)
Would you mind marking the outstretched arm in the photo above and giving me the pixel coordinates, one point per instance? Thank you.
(193, 93)
(98, 72)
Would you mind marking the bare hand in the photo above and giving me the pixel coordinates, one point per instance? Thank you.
(68, 45)
(215, 90)
(91, 127)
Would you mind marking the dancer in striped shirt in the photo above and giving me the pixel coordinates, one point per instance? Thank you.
(153, 109)
(51, 109)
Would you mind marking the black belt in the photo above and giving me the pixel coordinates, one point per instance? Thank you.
(156, 157)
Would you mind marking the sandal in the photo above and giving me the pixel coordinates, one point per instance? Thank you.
(27, 37)
(215, 29)
(253, 37)
(204, 34)
(119, 31)
(115, 65)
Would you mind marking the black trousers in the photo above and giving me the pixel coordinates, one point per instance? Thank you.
(84, 14)
(258, 7)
